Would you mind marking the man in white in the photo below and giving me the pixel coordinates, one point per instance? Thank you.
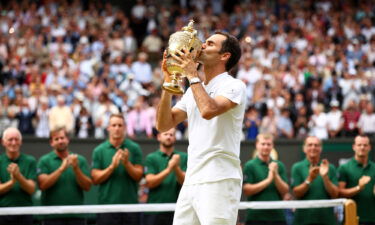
(334, 119)
(366, 123)
(215, 109)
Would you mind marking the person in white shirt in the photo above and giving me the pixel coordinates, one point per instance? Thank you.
(318, 123)
(366, 123)
(215, 110)
(334, 120)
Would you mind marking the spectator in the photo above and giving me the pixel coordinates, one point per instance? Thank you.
(366, 123)
(103, 110)
(315, 94)
(313, 178)
(84, 125)
(334, 120)
(269, 124)
(62, 178)
(351, 117)
(318, 123)
(130, 42)
(153, 45)
(42, 115)
(17, 176)
(133, 89)
(4, 113)
(25, 117)
(284, 124)
(142, 70)
(356, 180)
(139, 120)
(249, 74)
(251, 123)
(165, 173)
(117, 169)
(61, 116)
(265, 179)
(301, 124)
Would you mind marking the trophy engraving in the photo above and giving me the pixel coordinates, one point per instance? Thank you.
(186, 38)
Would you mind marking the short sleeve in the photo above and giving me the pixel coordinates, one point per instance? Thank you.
(342, 175)
(297, 178)
(96, 160)
(182, 104)
(235, 92)
(248, 176)
(84, 165)
(42, 167)
(333, 174)
(150, 165)
(282, 171)
(136, 155)
(32, 169)
(183, 161)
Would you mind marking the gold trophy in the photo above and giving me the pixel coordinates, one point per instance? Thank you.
(186, 38)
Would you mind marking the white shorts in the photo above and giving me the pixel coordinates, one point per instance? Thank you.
(214, 203)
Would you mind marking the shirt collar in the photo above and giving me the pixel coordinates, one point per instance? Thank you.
(109, 145)
(263, 162)
(307, 162)
(215, 80)
(164, 154)
(360, 164)
(13, 160)
(55, 156)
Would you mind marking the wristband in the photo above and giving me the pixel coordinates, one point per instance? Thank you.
(307, 182)
(358, 188)
(194, 80)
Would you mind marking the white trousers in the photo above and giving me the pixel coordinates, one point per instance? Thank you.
(213, 203)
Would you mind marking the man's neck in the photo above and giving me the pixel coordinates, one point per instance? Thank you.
(167, 151)
(362, 160)
(62, 154)
(314, 161)
(13, 155)
(264, 158)
(212, 72)
(116, 142)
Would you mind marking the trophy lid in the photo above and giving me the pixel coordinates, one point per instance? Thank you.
(190, 27)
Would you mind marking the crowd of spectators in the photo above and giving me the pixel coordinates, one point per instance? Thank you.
(309, 66)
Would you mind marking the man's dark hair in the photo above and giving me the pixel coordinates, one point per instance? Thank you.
(231, 45)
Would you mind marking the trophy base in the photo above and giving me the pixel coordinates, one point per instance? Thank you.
(173, 88)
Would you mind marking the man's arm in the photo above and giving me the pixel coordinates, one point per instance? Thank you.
(83, 181)
(99, 176)
(167, 117)
(48, 180)
(281, 186)
(301, 189)
(180, 174)
(252, 189)
(154, 180)
(5, 187)
(135, 171)
(210, 107)
(27, 185)
(331, 188)
(350, 192)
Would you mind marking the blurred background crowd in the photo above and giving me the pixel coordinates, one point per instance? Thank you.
(309, 66)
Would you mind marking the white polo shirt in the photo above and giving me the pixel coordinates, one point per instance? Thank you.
(214, 145)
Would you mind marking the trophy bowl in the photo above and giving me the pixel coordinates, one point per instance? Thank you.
(186, 38)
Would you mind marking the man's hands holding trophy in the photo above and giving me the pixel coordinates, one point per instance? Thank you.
(179, 60)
